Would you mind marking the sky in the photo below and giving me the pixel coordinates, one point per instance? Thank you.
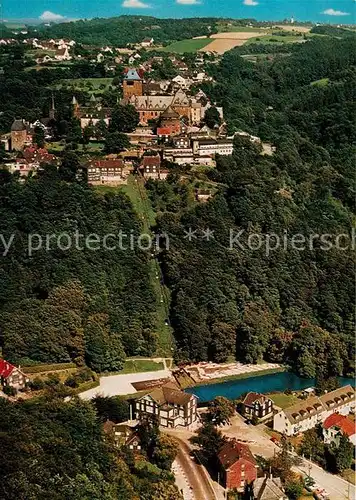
(333, 11)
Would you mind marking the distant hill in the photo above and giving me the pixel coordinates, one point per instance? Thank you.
(124, 30)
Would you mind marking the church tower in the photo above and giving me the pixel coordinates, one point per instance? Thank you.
(132, 85)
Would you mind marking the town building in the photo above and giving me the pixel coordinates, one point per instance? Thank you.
(257, 405)
(313, 411)
(211, 147)
(11, 376)
(151, 168)
(238, 465)
(18, 135)
(336, 425)
(147, 42)
(123, 434)
(109, 172)
(132, 84)
(268, 488)
(172, 407)
(92, 113)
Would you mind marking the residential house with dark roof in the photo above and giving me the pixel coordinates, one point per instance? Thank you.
(151, 168)
(257, 405)
(11, 376)
(172, 407)
(238, 465)
(312, 411)
(110, 172)
(268, 488)
(123, 434)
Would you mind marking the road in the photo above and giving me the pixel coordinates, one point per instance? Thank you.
(201, 487)
(336, 487)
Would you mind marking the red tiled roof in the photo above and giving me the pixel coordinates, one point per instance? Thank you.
(108, 163)
(150, 161)
(6, 368)
(232, 452)
(344, 423)
(164, 131)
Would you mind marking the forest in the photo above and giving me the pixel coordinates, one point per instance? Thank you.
(56, 449)
(123, 30)
(83, 304)
(289, 306)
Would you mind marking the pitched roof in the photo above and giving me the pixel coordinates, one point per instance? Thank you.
(169, 113)
(18, 125)
(266, 488)
(233, 451)
(164, 131)
(315, 405)
(151, 161)
(170, 394)
(338, 397)
(6, 368)
(252, 397)
(132, 74)
(107, 163)
(341, 421)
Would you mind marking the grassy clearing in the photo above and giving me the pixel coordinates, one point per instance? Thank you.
(141, 365)
(283, 400)
(349, 475)
(274, 39)
(93, 85)
(189, 45)
(323, 82)
(136, 191)
(47, 368)
(224, 27)
(241, 376)
(92, 147)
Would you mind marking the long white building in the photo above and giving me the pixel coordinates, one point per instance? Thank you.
(313, 411)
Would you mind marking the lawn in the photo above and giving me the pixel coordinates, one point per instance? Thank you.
(141, 365)
(224, 27)
(92, 147)
(189, 45)
(274, 39)
(94, 85)
(137, 193)
(323, 82)
(283, 400)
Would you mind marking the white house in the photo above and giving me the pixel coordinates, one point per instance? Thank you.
(313, 411)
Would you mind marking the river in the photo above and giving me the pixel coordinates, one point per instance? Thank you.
(278, 382)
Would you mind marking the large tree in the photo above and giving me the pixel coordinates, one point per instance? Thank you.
(124, 118)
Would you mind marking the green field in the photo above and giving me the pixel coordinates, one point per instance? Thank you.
(323, 82)
(283, 400)
(141, 365)
(136, 191)
(224, 27)
(94, 85)
(190, 45)
(274, 39)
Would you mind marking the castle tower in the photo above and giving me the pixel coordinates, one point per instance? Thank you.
(132, 85)
(18, 135)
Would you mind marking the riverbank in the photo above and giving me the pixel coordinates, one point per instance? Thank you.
(276, 382)
(240, 376)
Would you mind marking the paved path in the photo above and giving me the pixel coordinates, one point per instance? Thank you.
(195, 474)
(116, 385)
(336, 487)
